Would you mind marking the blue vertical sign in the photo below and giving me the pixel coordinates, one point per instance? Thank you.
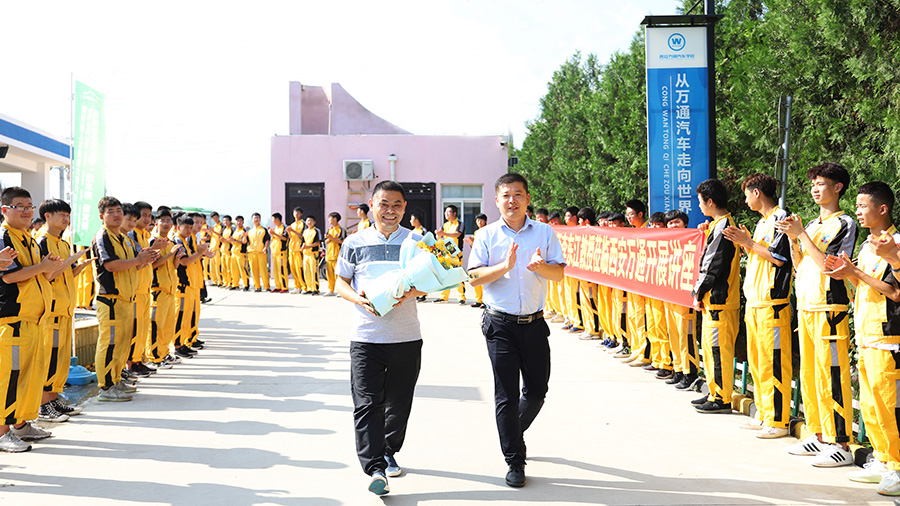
(677, 118)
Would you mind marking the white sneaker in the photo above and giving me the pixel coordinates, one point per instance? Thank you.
(295, 290)
(9, 442)
(125, 387)
(872, 472)
(113, 394)
(752, 424)
(329, 294)
(771, 432)
(29, 432)
(809, 446)
(833, 456)
(889, 484)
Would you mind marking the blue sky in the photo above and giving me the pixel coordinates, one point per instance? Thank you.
(195, 90)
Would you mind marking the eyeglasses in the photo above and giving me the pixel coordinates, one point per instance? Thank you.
(21, 208)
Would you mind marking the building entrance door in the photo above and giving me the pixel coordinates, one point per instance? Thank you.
(420, 196)
(308, 196)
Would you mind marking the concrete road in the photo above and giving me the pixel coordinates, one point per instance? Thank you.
(263, 417)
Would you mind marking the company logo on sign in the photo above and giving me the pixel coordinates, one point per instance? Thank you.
(676, 42)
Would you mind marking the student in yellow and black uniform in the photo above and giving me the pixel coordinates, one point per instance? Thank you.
(278, 233)
(455, 229)
(717, 293)
(604, 299)
(257, 250)
(480, 222)
(877, 324)
(225, 250)
(587, 291)
(239, 272)
(636, 309)
(680, 325)
(822, 313)
(334, 237)
(312, 240)
(140, 236)
(362, 212)
(117, 281)
(767, 288)
(24, 298)
(57, 321)
(415, 222)
(189, 278)
(84, 289)
(657, 328)
(215, 262)
(295, 254)
(162, 315)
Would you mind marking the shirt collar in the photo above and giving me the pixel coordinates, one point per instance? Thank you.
(528, 223)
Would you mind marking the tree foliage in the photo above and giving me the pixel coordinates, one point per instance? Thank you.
(838, 59)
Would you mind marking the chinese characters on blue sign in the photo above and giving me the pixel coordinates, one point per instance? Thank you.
(677, 118)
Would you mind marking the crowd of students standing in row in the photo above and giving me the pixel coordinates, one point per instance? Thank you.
(659, 336)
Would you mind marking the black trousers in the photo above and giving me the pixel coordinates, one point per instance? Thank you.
(382, 381)
(517, 350)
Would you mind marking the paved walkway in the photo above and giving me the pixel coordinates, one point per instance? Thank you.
(263, 417)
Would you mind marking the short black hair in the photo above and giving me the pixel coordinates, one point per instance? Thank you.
(131, 210)
(553, 216)
(658, 217)
(277, 216)
(616, 216)
(417, 213)
(530, 208)
(481, 216)
(163, 213)
(677, 214)
(603, 215)
(389, 186)
(227, 217)
(104, 203)
(53, 206)
(184, 219)
(141, 205)
(239, 217)
(637, 206)
(766, 184)
(833, 171)
(11, 193)
(296, 209)
(311, 217)
(37, 220)
(572, 210)
(256, 214)
(510, 177)
(335, 215)
(542, 210)
(452, 208)
(364, 207)
(213, 214)
(880, 193)
(587, 213)
(715, 190)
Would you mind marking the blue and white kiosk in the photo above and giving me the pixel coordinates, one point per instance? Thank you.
(32, 153)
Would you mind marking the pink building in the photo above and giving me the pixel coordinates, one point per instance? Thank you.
(337, 151)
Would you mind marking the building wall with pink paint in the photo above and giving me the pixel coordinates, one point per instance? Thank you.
(330, 126)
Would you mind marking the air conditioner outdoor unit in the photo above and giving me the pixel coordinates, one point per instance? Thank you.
(359, 170)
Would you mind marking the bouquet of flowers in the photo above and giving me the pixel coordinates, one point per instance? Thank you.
(430, 265)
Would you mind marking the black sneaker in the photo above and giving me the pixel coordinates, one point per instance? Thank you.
(462, 302)
(197, 341)
(515, 477)
(64, 408)
(196, 346)
(257, 290)
(183, 353)
(664, 374)
(421, 299)
(676, 379)
(715, 406)
(246, 289)
(686, 383)
(140, 367)
(136, 372)
(48, 413)
(700, 401)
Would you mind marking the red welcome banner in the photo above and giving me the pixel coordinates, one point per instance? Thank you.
(662, 263)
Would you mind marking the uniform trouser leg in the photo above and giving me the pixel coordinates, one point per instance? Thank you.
(619, 314)
(22, 368)
(720, 328)
(550, 304)
(460, 293)
(184, 314)
(588, 307)
(833, 381)
(637, 327)
(329, 273)
(681, 334)
(561, 301)
(214, 267)
(279, 270)
(878, 388)
(142, 304)
(479, 294)
(259, 265)
(57, 332)
(225, 267)
(382, 381)
(806, 330)
(115, 320)
(296, 258)
(769, 354)
(570, 289)
(311, 272)
(194, 322)
(517, 350)
(662, 351)
(242, 268)
(162, 325)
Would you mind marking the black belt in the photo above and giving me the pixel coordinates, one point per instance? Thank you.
(520, 319)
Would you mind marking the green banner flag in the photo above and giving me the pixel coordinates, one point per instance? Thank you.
(88, 163)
